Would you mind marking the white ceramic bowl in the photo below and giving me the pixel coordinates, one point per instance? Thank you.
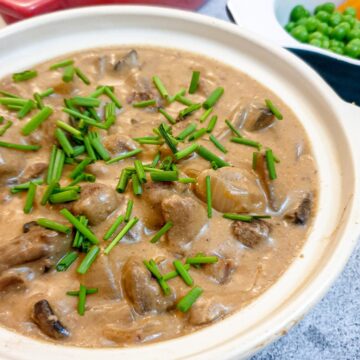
(268, 18)
(330, 123)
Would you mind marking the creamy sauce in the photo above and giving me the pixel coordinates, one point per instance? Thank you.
(113, 317)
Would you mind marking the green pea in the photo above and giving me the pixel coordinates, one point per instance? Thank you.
(325, 43)
(300, 33)
(335, 19)
(302, 21)
(353, 34)
(339, 32)
(323, 16)
(336, 44)
(337, 50)
(352, 49)
(315, 42)
(316, 35)
(350, 11)
(298, 12)
(329, 7)
(347, 19)
(323, 28)
(289, 26)
(311, 24)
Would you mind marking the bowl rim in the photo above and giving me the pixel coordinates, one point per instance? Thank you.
(321, 283)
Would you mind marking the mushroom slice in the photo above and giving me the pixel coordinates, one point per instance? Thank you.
(45, 318)
(301, 214)
(129, 61)
(257, 117)
(206, 311)
(251, 233)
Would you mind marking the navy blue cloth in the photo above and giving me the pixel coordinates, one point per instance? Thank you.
(343, 77)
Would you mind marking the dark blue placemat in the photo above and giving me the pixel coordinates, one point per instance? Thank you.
(343, 77)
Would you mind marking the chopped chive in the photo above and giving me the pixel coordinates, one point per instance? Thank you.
(188, 110)
(4, 128)
(83, 177)
(211, 157)
(14, 107)
(173, 274)
(270, 162)
(89, 291)
(113, 227)
(136, 183)
(110, 114)
(213, 98)
(123, 181)
(186, 152)
(37, 120)
(145, 103)
(80, 168)
(64, 196)
(19, 146)
(206, 114)
(58, 165)
(189, 299)
(232, 128)
(82, 76)
(140, 171)
(195, 78)
(166, 164)
(25, 75)
(202, 260)
(168, 139)
(89, 149)
(66, 261)
(79, 226)
(186, 132)
(25, 186)
(124, 156)
(197, 134)
(70, 129)
(88, 120)
(88, 260)
(53, 225)
(98, 146)
(187, 180)
(64, 142)
(79, 237)
(47, 93)
(153, 268)
(261, 216)
(217, 143)
(81, 300)
(273, 109)
(1, 119)
(145, 141)
(148, 137)
(8, 94)
(29, 201)
(208, 196)
(247, 142)
(161, 87)
(161, 232)
(183, 272)
(164, 286)
(67, 188)
(12, 101)
(121, 234)
(254, 160)
(68, 74)
(25, 109)
(38, 101)
(60, 64)
(183, 100)
(128, 212)
(98, 92)
(85, 101)
(50, 170)
(155, 160)
(49, 190)
(238, 217)
(110, 94)
(167, 116)
(164, 176)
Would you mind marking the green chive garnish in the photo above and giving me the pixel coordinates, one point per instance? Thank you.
(154, 270)
(88, 260)
(188, 110)
(82, 76)
(213, 98)
(140, 171)
(155, 160)
(26, 108)
(121, 234)
(38, 101)
(183, 272)
(232, 128)
(167, 116)
(47, 92)
(123, 181)
(64, 142)
(61, 64)
(145, 103)
(79, 226)
(124, 156)
(247, 142)
(80, 168)
(202, 260)
(37, 120)
(173, 274)
(129, 208)
(58, 165)
(111, 95)
(197, 134)
(212, 124)
(164, 176)
(205, 115)
(12, 101)
(208, 196)
(4, 128)
(86, 119)
(187, 180)
(25, 75)
(66, 261)
(255, 159)
(113, 227)
(29, 201)
(49, 190)
(217, 143)
(168, 139)
(89, 291)
(195, 78)
(53, 225)
(189, 299)
(136, 183)
(238, 217)
(211, 157)
(89, 149)
(85, 101)
(98, 146)
(68, 74)
(186, 132)
(64, 196)
(25, 186)
(8, 94)
(273, 109)
(186, 152)
(79, 237)
(161, 87)
(183, 100)
(70, 129)
(19, 146)
(81, 300)
(270, 162)
(145, 141)
(161, 232)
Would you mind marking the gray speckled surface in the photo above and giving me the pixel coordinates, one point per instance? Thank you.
(331, 330)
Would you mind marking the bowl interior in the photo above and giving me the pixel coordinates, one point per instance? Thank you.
(30, 42)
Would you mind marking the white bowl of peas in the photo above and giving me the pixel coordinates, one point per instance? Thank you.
(330, 28)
